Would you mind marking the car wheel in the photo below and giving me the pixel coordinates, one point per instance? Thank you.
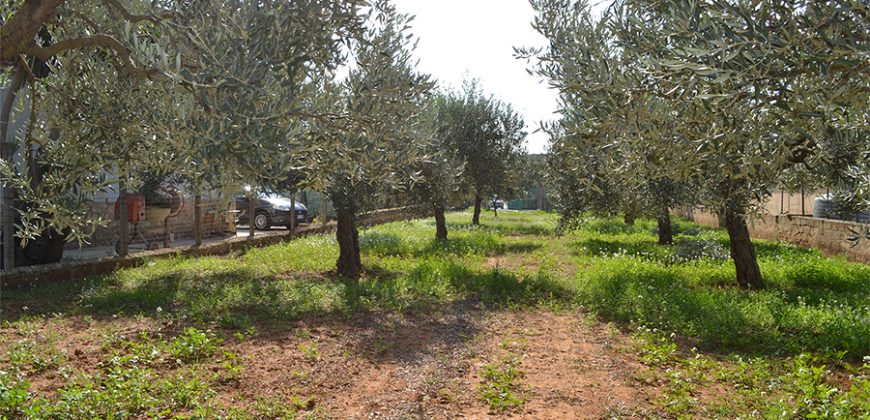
(262, 221)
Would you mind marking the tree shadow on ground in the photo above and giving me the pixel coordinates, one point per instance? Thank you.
(504, 229)
(477, 243)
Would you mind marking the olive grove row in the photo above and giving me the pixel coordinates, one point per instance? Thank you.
(280, 95)
(706, 103)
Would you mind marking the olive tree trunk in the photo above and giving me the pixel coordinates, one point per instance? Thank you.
(666, 233)
(720, 215)
(123, 232)
(742, 252)
(628, 219)
(477, 203)
(440, 223)
(348, 264)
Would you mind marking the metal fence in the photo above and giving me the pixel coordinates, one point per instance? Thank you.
(184, 221)
(176, 224)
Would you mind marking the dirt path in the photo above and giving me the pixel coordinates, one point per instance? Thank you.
(392, 366)
(389, 367)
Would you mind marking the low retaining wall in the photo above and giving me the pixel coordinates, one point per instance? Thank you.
(71, 270)
(826, 235)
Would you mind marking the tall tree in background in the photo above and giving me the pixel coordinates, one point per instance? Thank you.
(487, 135)
(442, 170)
(612, 149)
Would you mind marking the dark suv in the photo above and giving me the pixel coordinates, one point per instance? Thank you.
(271, 210)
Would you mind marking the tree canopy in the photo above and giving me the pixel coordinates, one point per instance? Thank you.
(724, 97)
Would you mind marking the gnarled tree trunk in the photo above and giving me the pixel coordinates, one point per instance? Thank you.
(477, 203)
(628, 219)
(742, 252)
(720, 215)
(666, 234)
(440, 223)
(348, 264)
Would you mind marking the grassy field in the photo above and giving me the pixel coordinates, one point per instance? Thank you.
(504, 319)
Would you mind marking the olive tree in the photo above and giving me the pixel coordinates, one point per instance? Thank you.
(755, 89)
(613, 145)
(441, 183)
(241, 71)
(487, 136)
(375, 138)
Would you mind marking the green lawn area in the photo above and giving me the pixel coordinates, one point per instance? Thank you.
(177, 337)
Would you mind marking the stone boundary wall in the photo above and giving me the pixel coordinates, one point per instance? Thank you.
(827, 235)
(72, 270)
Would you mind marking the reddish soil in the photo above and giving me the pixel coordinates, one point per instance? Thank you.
(428, 366)
(391, 366)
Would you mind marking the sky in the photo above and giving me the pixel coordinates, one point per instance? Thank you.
(462, 39)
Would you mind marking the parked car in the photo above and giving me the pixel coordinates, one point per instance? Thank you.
(498, 204)
(271, 210)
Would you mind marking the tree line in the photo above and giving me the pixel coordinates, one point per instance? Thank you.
(277, 95)
(677, 103)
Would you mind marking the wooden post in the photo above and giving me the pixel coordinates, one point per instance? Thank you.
(252, 210)
(324, 208)
(292, 212)
(122, 221)
(803, 210)
(781, 201)
(197, 218)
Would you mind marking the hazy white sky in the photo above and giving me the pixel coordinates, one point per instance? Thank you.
(462, 39)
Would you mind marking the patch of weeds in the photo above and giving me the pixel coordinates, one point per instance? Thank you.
(14, 395)
(812, 395)
(310, 351)
(184, 392)
(501, 388)
(699, 248)
(36, 354)
(678, 396)
(25, 326)
(120, 391)
(656, 349)
(249, 332)
(447, 396)
(113, 338)
(143, 352)
(193, 346)
(281, 408)
(234, 322)
(232, 367)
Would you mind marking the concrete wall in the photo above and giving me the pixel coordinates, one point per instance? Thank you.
(827, 235)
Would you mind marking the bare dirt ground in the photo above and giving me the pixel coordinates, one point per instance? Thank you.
(426, 365)
(389, 367)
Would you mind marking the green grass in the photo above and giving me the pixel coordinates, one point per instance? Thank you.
(814, 314)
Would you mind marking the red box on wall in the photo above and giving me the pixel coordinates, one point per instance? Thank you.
(135, 208)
